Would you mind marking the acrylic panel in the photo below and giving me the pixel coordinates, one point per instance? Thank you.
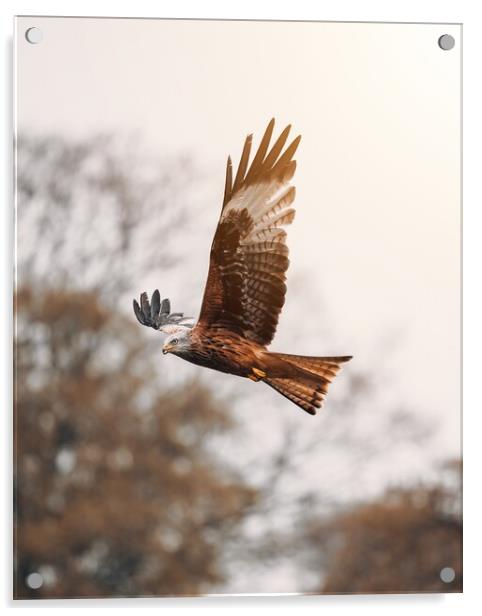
(280, 411)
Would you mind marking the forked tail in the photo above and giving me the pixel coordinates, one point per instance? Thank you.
(306, 379)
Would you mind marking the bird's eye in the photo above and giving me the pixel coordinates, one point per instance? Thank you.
(174, 341)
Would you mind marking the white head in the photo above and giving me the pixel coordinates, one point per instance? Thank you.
(178, 339)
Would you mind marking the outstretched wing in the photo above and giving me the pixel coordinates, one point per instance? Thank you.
(157, 314)
(245, 289)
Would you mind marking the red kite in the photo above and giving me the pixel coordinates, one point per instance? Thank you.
(245, 290)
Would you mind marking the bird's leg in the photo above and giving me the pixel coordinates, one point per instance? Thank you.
(256, 374)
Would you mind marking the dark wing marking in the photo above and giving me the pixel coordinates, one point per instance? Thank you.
(156, 314)
(245, 290)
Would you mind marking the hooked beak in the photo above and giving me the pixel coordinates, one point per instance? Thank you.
(166, 349)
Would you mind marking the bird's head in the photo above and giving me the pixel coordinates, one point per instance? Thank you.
(178, 339)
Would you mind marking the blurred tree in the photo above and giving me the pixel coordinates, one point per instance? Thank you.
(398, 543)
(117, 489)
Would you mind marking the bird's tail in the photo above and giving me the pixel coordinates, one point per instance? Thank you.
(306, 379)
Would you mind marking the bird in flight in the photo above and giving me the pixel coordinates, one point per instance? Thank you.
(245, 289)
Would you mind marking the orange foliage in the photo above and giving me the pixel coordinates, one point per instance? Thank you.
(117, 489)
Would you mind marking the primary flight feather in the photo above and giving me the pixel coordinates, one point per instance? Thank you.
(245, 290)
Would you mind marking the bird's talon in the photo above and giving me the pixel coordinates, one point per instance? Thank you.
(257, 374)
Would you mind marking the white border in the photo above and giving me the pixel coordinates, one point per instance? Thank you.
(455, 11)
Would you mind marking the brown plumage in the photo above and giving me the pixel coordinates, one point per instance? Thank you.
(245, 290)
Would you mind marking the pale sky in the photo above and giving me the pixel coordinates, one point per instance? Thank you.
(378, 187)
